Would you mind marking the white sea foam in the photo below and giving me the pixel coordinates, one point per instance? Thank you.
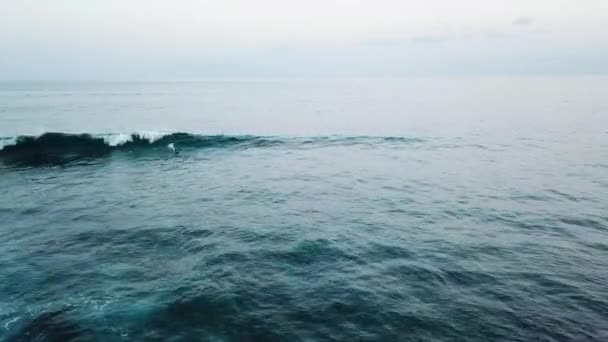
(7, 142)
(151, 136)
(110, 139)
(117, 139)
(8, 323)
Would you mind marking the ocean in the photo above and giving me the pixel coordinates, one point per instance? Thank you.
(415, 209)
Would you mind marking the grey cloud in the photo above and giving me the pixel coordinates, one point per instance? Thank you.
(523, 21)
(431, 39)
(426, 39)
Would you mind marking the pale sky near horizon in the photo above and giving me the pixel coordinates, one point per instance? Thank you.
(189, 39)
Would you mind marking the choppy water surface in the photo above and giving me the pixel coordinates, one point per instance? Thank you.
(386, 225)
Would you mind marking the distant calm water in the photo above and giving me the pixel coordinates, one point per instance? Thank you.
(458, 209)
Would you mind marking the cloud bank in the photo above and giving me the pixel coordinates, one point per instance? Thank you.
(188, 39)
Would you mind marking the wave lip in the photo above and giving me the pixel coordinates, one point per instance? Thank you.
(9, 141)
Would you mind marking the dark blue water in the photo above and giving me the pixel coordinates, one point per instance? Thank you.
(411, 210)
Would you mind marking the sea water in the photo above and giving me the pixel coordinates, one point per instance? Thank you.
(420, 209)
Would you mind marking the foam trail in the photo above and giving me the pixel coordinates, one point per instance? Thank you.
(8, 323)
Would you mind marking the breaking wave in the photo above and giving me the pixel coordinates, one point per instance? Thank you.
(118, 140)
(68, 141)
(60, 148)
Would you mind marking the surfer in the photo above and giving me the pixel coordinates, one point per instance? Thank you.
(172, 147)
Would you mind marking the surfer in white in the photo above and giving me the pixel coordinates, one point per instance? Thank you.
(173, 149)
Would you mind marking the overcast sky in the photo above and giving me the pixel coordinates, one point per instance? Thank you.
(194, 39)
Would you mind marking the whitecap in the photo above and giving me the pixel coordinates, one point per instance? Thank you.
(116, 139)
(151, 136)
(7, 142)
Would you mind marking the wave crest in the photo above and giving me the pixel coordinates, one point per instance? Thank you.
(68, 141)
(59, 148)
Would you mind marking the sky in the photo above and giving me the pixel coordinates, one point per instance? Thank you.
(197, 39)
